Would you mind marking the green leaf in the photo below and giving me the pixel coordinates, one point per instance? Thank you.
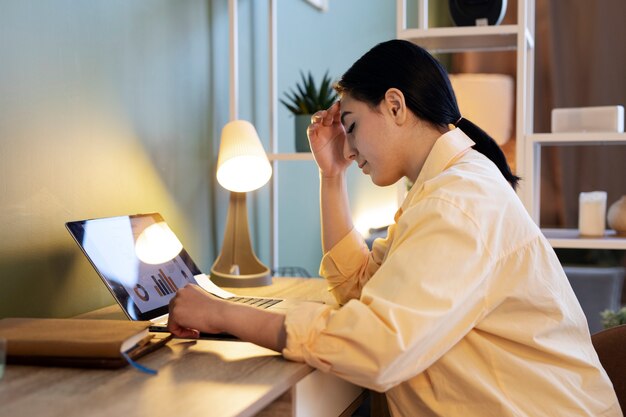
(306, 98)
(613, 318)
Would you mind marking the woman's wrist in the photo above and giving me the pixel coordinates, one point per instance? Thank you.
(219, 316)
(333, 183)
(332, 177)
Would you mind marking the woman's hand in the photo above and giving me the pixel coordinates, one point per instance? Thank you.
(327, 137)
(193, 310)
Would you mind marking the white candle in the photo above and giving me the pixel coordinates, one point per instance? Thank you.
(592, 213)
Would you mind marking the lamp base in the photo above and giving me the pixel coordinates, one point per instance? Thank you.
(260, 279)
(237, 265)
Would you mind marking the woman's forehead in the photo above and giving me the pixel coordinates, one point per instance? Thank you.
(348, 103)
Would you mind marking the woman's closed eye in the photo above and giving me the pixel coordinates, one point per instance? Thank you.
(350, 129)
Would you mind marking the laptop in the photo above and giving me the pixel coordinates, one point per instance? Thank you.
(143, 264)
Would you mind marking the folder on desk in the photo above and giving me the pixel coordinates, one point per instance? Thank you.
(77, 342)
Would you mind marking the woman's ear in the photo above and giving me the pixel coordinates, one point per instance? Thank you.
(395, 105)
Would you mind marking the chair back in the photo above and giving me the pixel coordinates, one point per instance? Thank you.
(610, 344)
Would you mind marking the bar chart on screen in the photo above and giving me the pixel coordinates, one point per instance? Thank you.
(164, 284)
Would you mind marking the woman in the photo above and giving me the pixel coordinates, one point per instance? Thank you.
(464, 308)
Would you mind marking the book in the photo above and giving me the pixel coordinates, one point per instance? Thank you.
(77, 342)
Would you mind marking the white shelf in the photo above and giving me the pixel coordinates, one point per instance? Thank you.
(468, 38)
(299, 156)
(582, 138)
(571, 239)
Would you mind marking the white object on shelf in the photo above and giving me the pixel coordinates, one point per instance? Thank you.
(486, 100)
(588, 119)
(592, 213)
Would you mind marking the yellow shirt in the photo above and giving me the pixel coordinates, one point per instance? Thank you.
(463, 310)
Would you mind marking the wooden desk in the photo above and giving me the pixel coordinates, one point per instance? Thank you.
(196, 378)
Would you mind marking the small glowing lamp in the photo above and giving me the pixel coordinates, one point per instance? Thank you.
(242, 166)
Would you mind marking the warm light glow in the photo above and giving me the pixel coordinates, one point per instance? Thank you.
(244, 173)
(242, 164)
(375, 217)
(157, 244)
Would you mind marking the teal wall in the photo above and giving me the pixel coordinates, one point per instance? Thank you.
(110, 107)
(103, 111)
(316, 41)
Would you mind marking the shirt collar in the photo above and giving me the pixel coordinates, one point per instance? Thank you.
(448, 147)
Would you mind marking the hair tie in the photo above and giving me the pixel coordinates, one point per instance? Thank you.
(458, 121)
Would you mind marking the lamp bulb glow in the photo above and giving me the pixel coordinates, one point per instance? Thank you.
(242, 164)
(157, 244)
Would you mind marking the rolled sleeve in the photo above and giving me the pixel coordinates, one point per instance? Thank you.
(303, 323)
(344, 267)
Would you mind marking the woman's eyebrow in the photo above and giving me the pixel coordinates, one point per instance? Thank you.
(343, 115)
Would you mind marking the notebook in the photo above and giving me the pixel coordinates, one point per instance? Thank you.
(143, 263)
(77, 342)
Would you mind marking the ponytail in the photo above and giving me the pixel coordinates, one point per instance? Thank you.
(488, 147)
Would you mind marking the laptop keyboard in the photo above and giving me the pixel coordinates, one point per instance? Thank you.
(257, 302)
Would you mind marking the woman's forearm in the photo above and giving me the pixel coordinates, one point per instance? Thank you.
(334, 210)
(262, 327)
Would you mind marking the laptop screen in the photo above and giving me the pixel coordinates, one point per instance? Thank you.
(139, 258)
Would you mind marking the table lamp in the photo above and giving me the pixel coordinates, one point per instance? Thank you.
(242, 166)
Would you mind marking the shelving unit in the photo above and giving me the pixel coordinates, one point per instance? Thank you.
(460, 39)
(274, 156)
(569, 238)
(591, 138)
(301, 156)
(534, 142)
(518, 37)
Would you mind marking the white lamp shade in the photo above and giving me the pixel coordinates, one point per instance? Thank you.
(486, 100)
(242, 164)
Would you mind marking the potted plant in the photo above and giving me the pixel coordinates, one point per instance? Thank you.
(612, 318)
(304, 101)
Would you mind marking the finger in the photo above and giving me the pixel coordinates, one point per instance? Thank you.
(190, 334)
(337, 116)
(180, 331)
(318, 116)
(328, 118)
(173, 301)
(333, 114)
(334, 109)
(185, 333)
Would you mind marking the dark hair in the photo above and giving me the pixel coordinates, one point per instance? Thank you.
(426, 87)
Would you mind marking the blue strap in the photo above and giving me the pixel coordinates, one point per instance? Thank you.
(138, 366)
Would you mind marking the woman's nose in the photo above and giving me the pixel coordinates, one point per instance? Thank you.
(348, 150)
